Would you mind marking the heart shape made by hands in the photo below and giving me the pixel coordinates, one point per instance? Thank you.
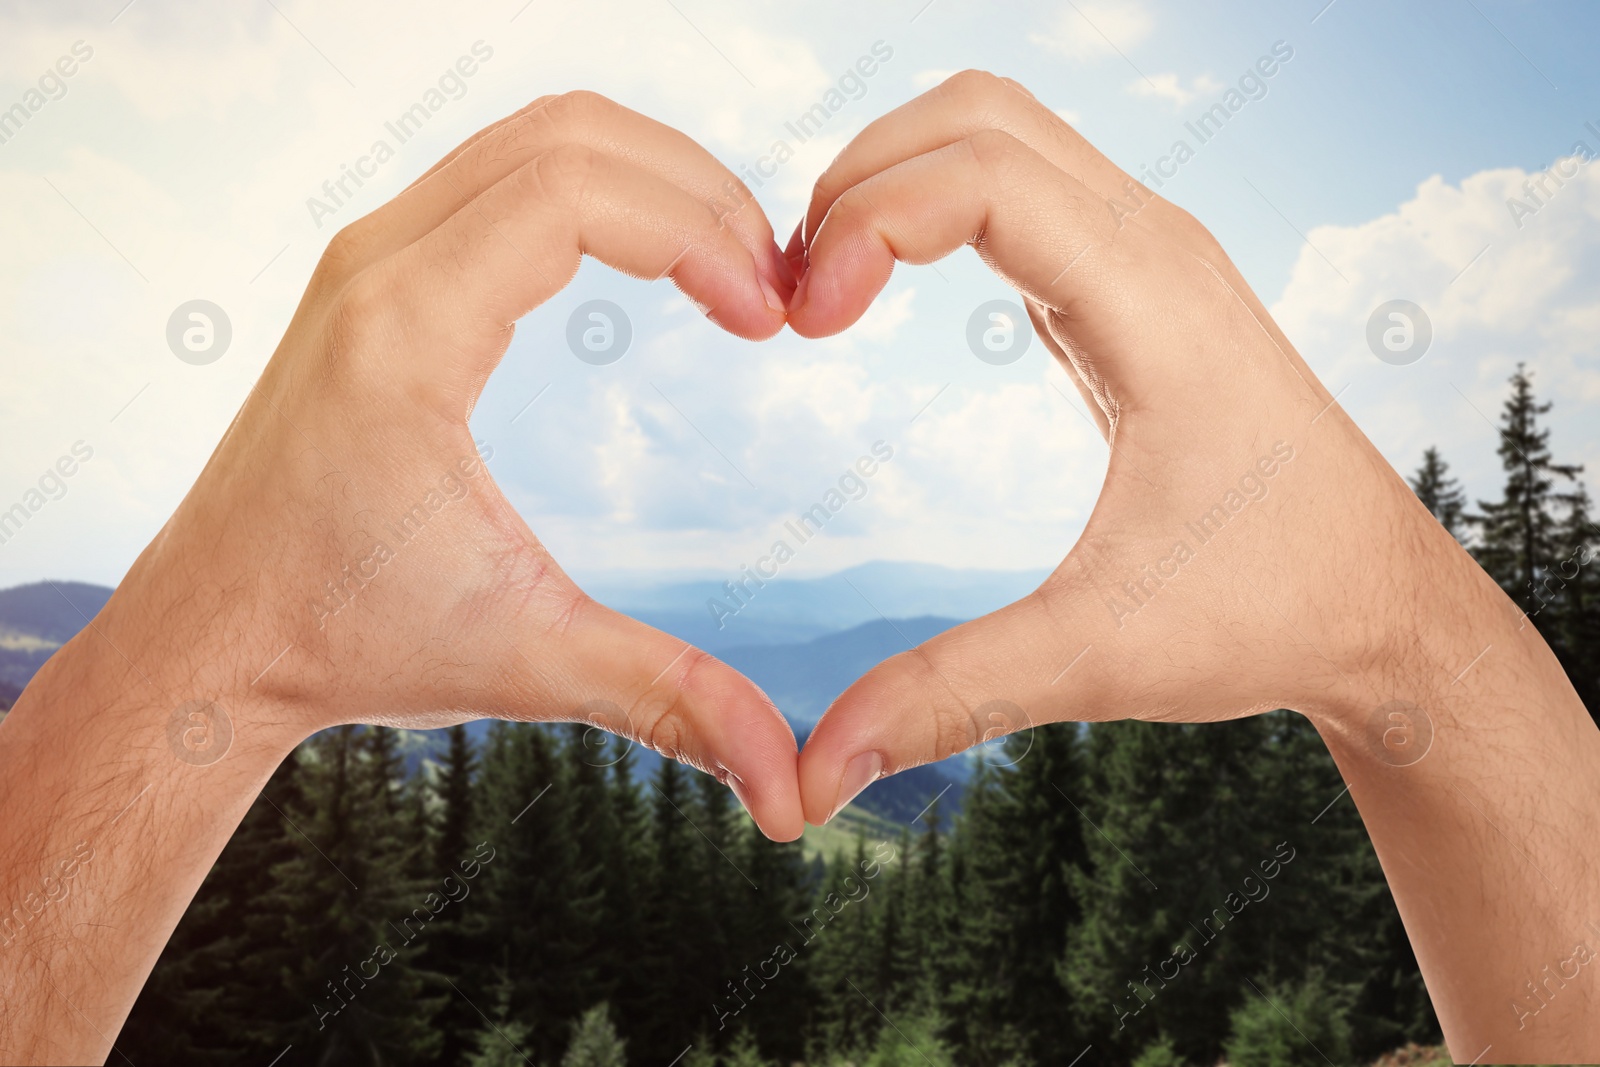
(1201, 588)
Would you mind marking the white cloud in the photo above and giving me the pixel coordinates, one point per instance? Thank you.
(1170, 87)
(1495, 294)
(885, 317)
(1094, 30)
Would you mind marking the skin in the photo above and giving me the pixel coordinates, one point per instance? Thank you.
(1332, 593)
(360, 413)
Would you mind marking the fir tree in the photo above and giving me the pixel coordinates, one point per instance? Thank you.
(501, 1040)
(216, 985)
(1022, 853)
(534, 925)
(343, 894)
(449, 949)
(595, 1042)
(679, 998)
(764, 939)
(1577, 613)
(838, 936)
(1518, 533)
(1440, 493)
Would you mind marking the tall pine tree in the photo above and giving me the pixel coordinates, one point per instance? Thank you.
(1440, 493)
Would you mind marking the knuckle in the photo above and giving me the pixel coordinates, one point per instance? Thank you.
(1016, 86)
(362, 312)
(993, 149)
(348, 251)
(581, 107)
(563, 173)
(661, 713)
(1191, 231)
(915, 680)
(973, 85)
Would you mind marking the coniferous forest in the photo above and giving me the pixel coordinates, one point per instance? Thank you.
(1160, 894)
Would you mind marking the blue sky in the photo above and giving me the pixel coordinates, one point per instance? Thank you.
(179, 163)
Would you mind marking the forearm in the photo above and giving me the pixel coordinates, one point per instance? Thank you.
(1487, 840)
(112, 817)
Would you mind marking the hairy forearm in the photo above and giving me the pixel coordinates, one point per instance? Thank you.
(112, 815)
(1472, 761)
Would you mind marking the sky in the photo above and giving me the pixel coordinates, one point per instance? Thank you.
(184, 159)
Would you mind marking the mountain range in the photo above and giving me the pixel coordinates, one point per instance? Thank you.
(802, 640)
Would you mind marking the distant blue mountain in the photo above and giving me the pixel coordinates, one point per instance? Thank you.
(790, 610)
(803, 679)
(37, 619)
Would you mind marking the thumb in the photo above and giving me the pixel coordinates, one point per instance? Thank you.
(632, 680)
(561, 656)
(1035, 661)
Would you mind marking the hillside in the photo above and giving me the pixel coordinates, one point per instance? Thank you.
(37, 619)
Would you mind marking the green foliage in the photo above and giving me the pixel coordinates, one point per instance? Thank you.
(1440, 493)
(595, 1042)
(1288, 1026)
(1160, 1054)
(1518, 532)
(500, 1041)
(744, 1052)
(911, 1042)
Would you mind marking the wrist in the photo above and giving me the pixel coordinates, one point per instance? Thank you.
(150, 689)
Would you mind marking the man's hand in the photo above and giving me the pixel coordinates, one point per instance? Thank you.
(1250, 550)
(345, 557)
(346, 523)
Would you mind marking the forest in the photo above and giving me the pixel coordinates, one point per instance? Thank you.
(1121, 892)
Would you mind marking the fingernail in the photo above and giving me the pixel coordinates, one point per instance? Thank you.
(858, 774)
(739, 791)
(781, 269)
(799, 298)
(791, 251)
(774, 301)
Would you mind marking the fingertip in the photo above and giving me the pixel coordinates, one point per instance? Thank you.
(860, 771)
(836, 288)
(756, 755)
(794, 252)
